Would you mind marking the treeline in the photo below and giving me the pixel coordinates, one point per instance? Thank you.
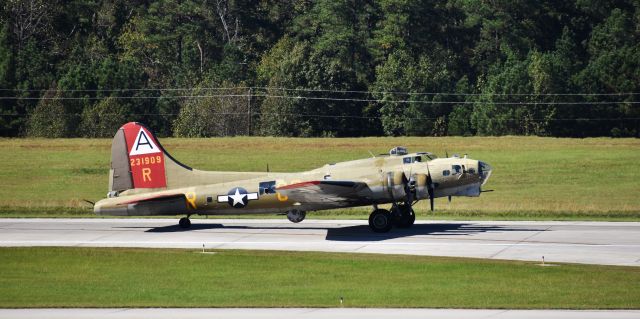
(320, 68)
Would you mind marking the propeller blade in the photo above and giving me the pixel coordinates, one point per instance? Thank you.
(408, 189)
(90, 202)
(430, 187)
(449, 199)
(430, 190)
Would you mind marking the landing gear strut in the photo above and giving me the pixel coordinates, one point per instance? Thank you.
(184, 222)
(380, 221)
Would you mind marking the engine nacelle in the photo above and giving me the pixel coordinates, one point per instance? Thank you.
(394, 184)
(420, 183)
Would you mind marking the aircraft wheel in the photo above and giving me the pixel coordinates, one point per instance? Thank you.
(296, 216)
(403, 216)
(406, 219)
(380, 221)
(185, 222)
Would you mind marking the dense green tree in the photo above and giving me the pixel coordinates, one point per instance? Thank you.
(104, 118)
(323, 68)
(423, 79)
(214, 115)
(614, 68)
(8, 122)
(51, 118)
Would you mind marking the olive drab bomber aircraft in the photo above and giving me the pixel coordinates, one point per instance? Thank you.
(145, 180)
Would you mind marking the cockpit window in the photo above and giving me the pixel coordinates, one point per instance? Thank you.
(456, 168)
(415, 159)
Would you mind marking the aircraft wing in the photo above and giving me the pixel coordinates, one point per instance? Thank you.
(326, 192)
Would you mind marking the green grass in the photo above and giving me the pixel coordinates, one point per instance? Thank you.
(533, 177)
(107, 277)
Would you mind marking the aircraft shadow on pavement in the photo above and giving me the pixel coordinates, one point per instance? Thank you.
(362, 232)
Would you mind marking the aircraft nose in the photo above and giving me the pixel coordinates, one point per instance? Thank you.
(484, 170)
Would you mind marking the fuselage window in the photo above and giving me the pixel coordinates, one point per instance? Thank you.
(267, 187)
(446, 172)
(406, 160)
(417, 159)
(456, 168)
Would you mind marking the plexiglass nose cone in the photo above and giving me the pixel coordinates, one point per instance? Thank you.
(485, 171)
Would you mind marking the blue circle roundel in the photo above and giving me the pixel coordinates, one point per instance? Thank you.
(237, 197)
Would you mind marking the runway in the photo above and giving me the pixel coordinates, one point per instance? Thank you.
(606, 243)
(312, 313)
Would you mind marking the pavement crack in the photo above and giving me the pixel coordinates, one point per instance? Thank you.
(524, 240)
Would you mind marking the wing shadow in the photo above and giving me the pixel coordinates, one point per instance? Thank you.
(363, 233)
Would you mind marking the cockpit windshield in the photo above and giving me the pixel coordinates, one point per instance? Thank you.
(427, 156)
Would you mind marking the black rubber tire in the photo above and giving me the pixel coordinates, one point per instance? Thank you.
(302, 216)
(184, 222)
(406, 220)
(380, 221)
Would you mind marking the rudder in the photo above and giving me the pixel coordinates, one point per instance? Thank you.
(137, 160)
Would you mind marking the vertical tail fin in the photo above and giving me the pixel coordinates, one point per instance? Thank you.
(138, 160)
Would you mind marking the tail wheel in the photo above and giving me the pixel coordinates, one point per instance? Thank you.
(380, 221)
(296, 216)
(184, 222)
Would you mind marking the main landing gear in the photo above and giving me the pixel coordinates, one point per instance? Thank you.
(401, 215)
(185, 222)
(380, 221)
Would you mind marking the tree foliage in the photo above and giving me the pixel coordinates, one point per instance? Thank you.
(213, 116)
(321, 68)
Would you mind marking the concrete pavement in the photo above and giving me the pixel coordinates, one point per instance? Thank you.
(607, 243)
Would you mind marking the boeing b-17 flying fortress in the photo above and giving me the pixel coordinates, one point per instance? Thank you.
(145, 180)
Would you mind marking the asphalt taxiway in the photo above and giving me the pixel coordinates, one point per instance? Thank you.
(607, 243)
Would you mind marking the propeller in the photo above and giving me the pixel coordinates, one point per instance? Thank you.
(89, 202)
(430, 188)
(409, 188)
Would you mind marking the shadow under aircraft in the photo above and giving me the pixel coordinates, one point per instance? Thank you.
(362, 232)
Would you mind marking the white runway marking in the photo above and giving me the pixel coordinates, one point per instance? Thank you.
(573, 242)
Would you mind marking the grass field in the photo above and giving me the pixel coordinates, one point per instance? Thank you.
(533, 178)
(107, 277)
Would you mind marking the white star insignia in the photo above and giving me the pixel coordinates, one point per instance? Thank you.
(238, 198)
